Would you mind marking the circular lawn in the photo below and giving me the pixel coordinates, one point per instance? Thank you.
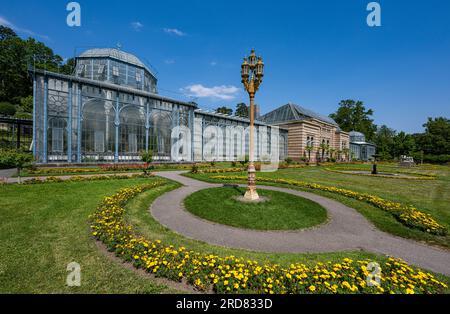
(281, 211)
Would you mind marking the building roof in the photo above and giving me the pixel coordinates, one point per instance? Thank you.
(108, 85)
(117, 54)
(359, 138)
(230, 117)
(292, 112)
(356, 133)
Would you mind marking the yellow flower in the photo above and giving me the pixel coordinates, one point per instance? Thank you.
(312, 288)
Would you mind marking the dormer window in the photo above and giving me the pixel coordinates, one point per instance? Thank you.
(101, 69)
(81, 70)
(115, 71)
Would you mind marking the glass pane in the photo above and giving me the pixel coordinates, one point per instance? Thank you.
(99, 141)
(57, 140)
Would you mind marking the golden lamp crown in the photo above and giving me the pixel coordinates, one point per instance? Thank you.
(252, 72)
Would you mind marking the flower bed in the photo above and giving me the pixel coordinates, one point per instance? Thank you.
(413, 175)
(220, 170)
(83, 178)
(62, 170)
(231, 274)
(406, 214)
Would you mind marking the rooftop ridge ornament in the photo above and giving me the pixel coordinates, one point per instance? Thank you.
(252, 73)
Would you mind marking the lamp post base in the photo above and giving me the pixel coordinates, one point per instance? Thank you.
(251, 194)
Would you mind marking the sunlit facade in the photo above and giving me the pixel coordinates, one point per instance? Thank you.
(312, 136)
(109, 110)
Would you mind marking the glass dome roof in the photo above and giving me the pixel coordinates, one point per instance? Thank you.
(115, 54)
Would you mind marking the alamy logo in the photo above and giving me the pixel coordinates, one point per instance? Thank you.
(374, 17)
(74, 17)
(373, 278)
(74, 277)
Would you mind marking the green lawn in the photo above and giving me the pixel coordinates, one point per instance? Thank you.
(281, 211)
(45, 226)
(430, 196)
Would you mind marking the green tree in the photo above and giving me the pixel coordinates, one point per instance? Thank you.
(346, 152)
(323, 148)
(224, 110)
(353, 116)
(68, 67)
(309, 149)
(7, 109)
(24, 107)
(436, 138)
(147, 158)
(404, 144)
(16, 55)
(384, 140)
(14, 158)
(242, 110)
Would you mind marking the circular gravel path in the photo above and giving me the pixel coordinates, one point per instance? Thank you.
(346, 229)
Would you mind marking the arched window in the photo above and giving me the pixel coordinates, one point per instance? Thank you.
(160, 132)
(98, 130)
(132, 130)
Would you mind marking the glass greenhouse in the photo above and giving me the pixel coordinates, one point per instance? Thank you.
(360, 149)
(109, 110)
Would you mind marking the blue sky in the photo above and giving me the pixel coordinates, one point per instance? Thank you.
(316, 52)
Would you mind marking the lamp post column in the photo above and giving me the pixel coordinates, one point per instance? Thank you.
(251, 193)
(252, 74)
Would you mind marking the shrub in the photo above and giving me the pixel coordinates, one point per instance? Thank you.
(288, 160)
(244, 160)
(436, 159)
(194, 168)
(7, 109)
(17, 159)
(146, 157)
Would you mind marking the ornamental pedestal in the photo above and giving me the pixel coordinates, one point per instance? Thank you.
(251, 193)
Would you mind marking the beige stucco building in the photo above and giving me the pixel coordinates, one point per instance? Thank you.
(311, 135)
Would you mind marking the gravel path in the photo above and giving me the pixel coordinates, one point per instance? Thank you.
(346, 230)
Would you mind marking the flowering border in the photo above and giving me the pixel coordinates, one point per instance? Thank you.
(406, 214)
(230, 274)
(413, 176)
(54, 179)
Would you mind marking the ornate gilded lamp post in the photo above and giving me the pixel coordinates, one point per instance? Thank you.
(252, 72)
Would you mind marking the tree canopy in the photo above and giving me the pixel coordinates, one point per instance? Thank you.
(436, 138)
(242, 110)
(16, 55)
(353, 116)
(224, 110)
(433, 145)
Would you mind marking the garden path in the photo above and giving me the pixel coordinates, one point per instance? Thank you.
(346, 229)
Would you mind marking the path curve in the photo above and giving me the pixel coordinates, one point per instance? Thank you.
(346, 230)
